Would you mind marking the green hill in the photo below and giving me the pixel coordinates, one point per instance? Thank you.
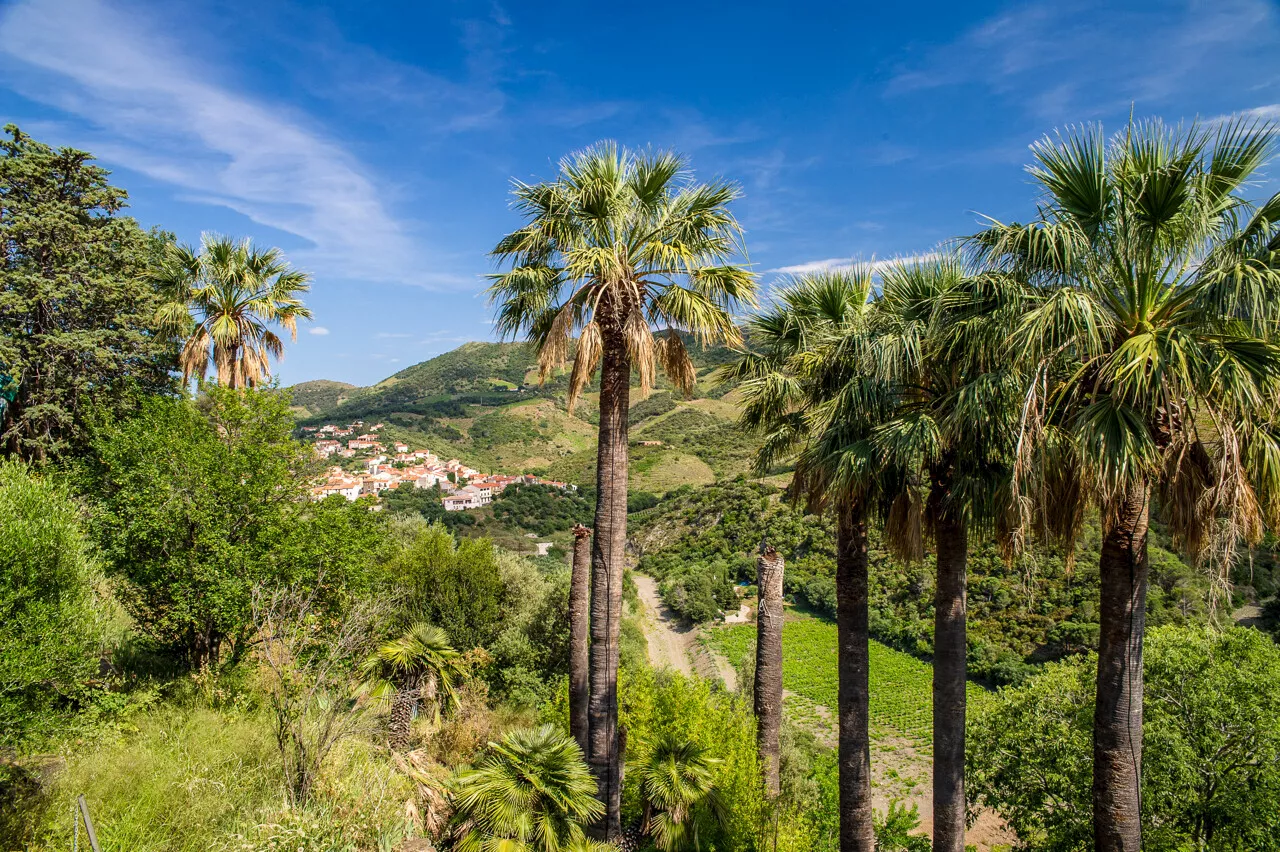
(319, 396)
(482, 403)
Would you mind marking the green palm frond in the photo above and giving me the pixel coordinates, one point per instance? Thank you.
(224, 299)
(532, 792)
(623, 243)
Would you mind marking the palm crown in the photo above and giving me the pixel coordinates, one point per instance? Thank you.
(677, 780)
(622, 247)
(531, 793)
(1151, 328)
(224, 300)
(422, 653)
(938, 338)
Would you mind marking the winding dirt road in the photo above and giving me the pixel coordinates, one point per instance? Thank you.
(669, 639)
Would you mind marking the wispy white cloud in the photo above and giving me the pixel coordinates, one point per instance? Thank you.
(835, 263)
(155, 111)
(319, 329)
(1079, 59)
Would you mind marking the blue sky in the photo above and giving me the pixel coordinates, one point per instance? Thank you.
(375, 142)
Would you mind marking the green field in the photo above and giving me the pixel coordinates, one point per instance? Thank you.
(901, 685)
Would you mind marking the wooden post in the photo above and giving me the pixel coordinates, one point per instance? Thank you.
(88, 824)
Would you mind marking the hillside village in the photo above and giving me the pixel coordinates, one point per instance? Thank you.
(462, 487)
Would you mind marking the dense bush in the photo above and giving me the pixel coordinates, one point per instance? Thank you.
(1211, 757)
(543, 509)
(193, 501)
(47, 612)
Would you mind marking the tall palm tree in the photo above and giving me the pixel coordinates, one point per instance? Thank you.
(807, 390)
(681, 803)
(768, 683)
(530, 793)
(939, 340)
(418, 665)
(579, 636)
(1152, 340)
(626, 250)
(224, 300)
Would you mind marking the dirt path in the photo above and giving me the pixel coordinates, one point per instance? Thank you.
(669, 639)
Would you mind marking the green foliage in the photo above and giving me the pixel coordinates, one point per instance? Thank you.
(677, 783)
(195, 504)
(47, 608)
(532, 790)
(1211, 760)
(1020, 614)
(657, 707)
(67, 246)
(893, 830)
(657, 403)
(453, 584)
(420, 654)
(425, 503)
(543, 509)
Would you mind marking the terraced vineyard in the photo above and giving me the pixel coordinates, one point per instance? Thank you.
(901, 685)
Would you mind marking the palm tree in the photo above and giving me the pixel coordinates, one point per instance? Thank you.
(418, 665)
(768, 684)
(579, 635)
(939, 340)
(806, 389)
(531, 793)
(1151, 338)
(224, 300)
(677, 783)
(627, 250)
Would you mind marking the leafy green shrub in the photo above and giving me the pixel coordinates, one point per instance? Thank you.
(1211, 757)
(47, 612)
(542, 509)
(193, 500)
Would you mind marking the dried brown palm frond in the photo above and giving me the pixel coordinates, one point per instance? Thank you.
(640, 346)
(590, 345)
(675, 361)
(554, 351)
(904, 533)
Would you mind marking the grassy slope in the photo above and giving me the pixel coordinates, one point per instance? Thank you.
(316, 397)
(901, 685)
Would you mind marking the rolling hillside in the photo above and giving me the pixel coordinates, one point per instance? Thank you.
(482, 403)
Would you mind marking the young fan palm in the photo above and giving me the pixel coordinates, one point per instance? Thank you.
(939, 340)
(416, 666)
(628, 251)
(224, 301)
(530, 793)
(1151, 338)
(806, 389)
(681, 803)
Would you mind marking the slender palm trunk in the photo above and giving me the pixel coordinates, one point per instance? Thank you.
(607, 555)
(403, 705)
(949, 656)
(1117, 716)
(857, 833)
(768, 685)
(579, 636)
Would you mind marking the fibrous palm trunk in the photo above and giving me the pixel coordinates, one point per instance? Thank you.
(949, 656)
(857, 832)
(1117, 716)
(579, 635)
(768, 683)
(403, 706)
(607, 554)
